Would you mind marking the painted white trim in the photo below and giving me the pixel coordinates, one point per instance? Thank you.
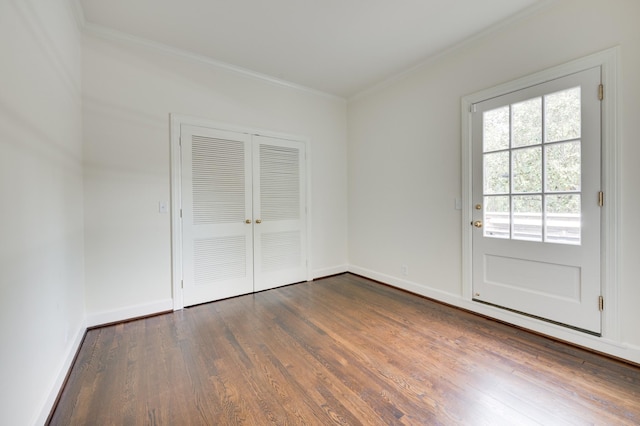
(600, 344)
(189, 120)
(611, 172)
(33, 22)
(129, 312)
(176, 121)
(175, 203)
(308, 198)
(106, 33)
(63, 370)
(410, 286)
(327, 272)
(511, 20)
(112, 35)
(78, 13)
(608, 60)
(466, 152)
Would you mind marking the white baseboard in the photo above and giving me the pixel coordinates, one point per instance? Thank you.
(93, 320)
(63, 370)
(129, 312)
(411, 286)
(600, 344)
(616, 349)
(326, 272)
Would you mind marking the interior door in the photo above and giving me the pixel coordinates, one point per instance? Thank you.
(536, 185)
(217, 221)
(279, 208)
(244, 226)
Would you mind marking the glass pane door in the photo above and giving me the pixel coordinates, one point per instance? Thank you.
(532, 169)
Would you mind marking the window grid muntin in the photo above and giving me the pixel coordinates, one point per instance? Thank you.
(543, 193)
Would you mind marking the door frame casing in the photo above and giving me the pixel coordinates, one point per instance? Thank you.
(176, 121)
(610, 232)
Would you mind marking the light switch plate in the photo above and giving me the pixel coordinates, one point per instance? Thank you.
(458, 203)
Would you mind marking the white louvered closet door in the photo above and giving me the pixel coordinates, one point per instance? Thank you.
(216, 204)
(279, 208)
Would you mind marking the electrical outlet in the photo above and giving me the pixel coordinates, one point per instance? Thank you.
(405, 270)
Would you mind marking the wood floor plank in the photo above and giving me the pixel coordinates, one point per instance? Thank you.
(344, 351)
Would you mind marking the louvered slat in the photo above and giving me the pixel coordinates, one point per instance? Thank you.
(280, 251)
(279, 182)
(218, 181)
(219, 259)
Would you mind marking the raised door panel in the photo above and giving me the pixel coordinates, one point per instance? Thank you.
(536, 176)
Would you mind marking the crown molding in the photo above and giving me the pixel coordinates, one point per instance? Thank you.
(112, 35)
(32, 17)
(540, 5)
(78, 13)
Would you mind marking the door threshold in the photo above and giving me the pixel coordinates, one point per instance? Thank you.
(582, 330)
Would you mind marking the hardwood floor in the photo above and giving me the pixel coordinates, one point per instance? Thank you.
(342, 350)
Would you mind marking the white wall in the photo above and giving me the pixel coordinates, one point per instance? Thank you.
(129, 92)
(405, 158)
(403, 171)
(41, 217)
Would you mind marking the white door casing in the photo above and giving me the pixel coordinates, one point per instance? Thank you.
(609, 62)
(539, 262)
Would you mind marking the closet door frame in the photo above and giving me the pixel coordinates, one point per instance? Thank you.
(176, 122)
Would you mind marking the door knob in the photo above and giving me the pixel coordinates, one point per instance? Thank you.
(258, 221)
(477, 224)
(247, 221)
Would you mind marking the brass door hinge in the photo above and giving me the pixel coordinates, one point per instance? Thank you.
(601, 303)
(601, 198)
(600, 92)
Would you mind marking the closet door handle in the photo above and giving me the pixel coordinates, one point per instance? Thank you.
(258, 221)
(248, 221)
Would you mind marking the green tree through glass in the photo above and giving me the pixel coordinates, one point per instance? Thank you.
(532, 168)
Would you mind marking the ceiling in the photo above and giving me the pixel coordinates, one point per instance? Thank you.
(341, 47)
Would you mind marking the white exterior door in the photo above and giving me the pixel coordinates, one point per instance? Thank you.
(536, 213)
(243, 213)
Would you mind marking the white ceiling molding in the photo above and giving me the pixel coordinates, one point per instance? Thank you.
(78, 13)
(452, 49)
(353, 54)
(34, 23)
(117, 36)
